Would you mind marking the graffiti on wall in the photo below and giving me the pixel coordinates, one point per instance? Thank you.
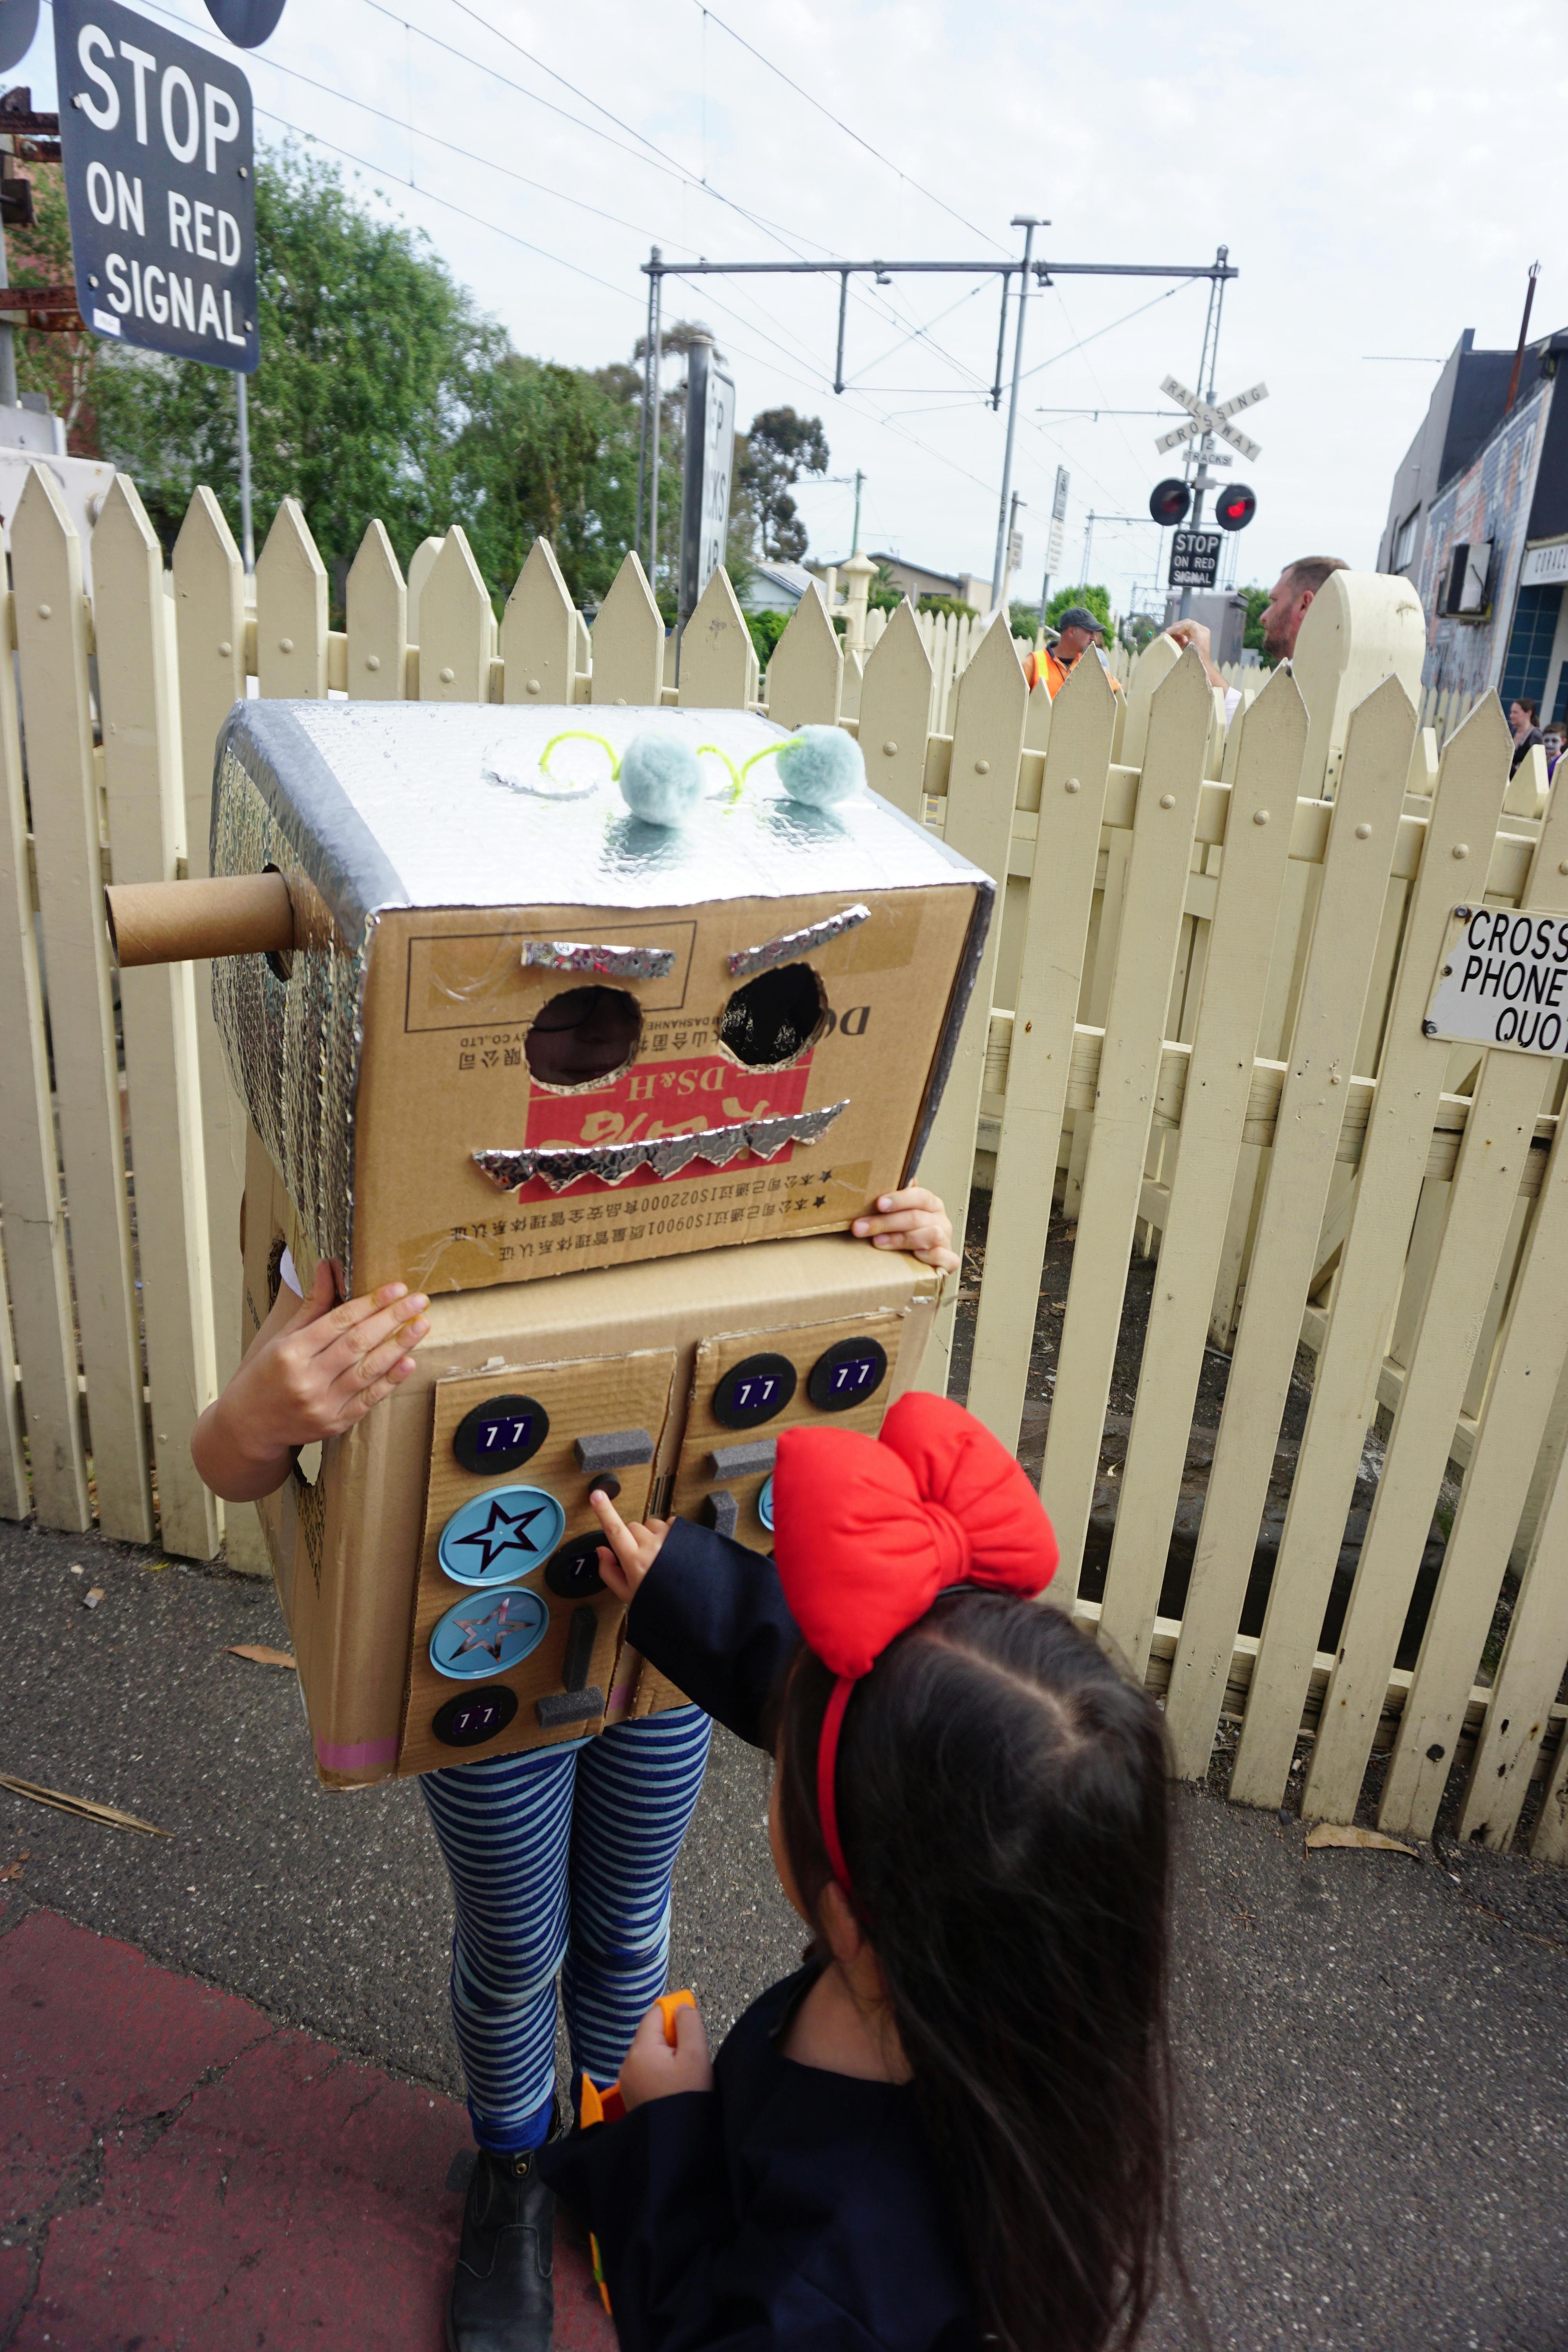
(1490, 499)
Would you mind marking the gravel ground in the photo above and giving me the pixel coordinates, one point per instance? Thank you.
(1372, 2051)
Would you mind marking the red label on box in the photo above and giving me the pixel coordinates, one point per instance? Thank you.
(683, 1098)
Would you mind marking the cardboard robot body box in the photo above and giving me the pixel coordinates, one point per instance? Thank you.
(555, 1066)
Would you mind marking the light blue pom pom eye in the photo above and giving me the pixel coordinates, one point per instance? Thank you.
(821, 766)
(661, 779)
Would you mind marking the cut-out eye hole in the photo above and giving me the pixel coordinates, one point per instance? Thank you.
(279, 961)
(773, 1018)
(583, 1036)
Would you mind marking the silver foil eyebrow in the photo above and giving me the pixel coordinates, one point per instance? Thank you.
(615, 963)
(791, 944)
(665, 1155)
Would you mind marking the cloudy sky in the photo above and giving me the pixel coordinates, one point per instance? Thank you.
(1369, 167)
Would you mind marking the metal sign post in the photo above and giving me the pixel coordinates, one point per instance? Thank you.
(705, 482)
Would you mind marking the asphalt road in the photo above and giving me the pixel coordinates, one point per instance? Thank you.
(1373, 2051)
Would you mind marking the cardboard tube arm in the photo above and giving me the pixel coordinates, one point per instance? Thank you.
(171, 922)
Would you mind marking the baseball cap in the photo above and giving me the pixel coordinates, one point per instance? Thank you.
(1078, 616)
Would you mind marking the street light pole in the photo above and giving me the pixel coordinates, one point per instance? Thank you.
(1028, 224)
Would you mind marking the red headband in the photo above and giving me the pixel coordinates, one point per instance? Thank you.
(871, 1530)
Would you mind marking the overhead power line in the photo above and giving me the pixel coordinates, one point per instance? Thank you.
(886, 161)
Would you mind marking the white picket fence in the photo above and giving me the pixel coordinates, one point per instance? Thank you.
(1196, 1031)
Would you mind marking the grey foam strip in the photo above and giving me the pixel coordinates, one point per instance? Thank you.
(613, 1449)
(745, 1461)
(721, 1512)
(558, 1708)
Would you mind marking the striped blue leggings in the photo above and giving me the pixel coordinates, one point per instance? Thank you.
(561, 1860)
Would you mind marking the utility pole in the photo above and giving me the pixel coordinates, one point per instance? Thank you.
(242, 411)
(1012, 541)
(652, 396)
(854, 536)
(646, 399)
(1200, 452)
(1028, 224)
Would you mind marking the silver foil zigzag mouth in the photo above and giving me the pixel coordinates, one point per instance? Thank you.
(664, 1155)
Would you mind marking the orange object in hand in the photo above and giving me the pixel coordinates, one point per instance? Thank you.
(607, 2106)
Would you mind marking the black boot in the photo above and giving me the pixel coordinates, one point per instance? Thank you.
(502, 2298)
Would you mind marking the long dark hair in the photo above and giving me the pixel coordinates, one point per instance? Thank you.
(1004, 1811)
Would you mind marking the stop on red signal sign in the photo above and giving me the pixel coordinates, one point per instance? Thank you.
(1235, 507)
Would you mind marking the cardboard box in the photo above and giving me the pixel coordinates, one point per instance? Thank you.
(773, 992)
(586, 1361)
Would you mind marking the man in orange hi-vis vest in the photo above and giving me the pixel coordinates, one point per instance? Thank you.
(1080, 628)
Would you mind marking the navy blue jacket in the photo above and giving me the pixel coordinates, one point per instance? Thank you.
(788, 2206)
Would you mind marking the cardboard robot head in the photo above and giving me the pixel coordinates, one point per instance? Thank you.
(513, 995)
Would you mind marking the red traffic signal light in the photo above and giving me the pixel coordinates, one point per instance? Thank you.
(1235, 507)
(1169, 502)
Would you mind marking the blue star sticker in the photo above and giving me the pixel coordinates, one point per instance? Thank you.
(516, 1537)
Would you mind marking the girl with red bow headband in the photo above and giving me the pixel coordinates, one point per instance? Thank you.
(952, 2126)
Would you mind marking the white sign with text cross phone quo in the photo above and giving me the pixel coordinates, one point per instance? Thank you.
(1502, 979)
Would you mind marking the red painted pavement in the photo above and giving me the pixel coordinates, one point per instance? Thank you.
(177, 2171)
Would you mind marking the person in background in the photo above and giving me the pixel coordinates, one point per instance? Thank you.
(1077, 628)
(1523, 717)
(1287, 608)
(1552, 743)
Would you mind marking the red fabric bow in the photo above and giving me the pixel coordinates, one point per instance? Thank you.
(871, 1530)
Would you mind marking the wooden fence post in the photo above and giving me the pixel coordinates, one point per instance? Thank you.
(1163, 829)
(806, 676)
(455, 626)
(1374, 1261)
(35, 1226)
(982, 785)
(628, 641)
(158, 1012)
(209, 633)
(1213, 1109)
(539, 632)
(1061, 891)
(1497, 1135)
(375, 620)
(52, 640)
(291, 611)
(1311, 1118)
(718, 659)
(895, 717)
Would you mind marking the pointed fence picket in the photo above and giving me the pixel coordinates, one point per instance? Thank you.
(1197, 1029)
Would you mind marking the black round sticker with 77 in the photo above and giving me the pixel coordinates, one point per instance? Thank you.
(501, 1434)
(754, 1391)
(474, 1715)
(845, 1374)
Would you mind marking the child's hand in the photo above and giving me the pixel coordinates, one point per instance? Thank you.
(311, 1372)
(632, 1548)
(652, 2070)
(913, 1220)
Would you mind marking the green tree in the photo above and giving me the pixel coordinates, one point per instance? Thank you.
(371, 357)
(769, 460)
(954, 604)
(61, 366)
(1098, 600)
(1024, 620)
(766, 629)
(1256, 601)
(547, 451)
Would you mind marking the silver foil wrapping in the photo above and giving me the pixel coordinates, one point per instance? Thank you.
(611, 1163)
(614, 963)
(745, 962)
